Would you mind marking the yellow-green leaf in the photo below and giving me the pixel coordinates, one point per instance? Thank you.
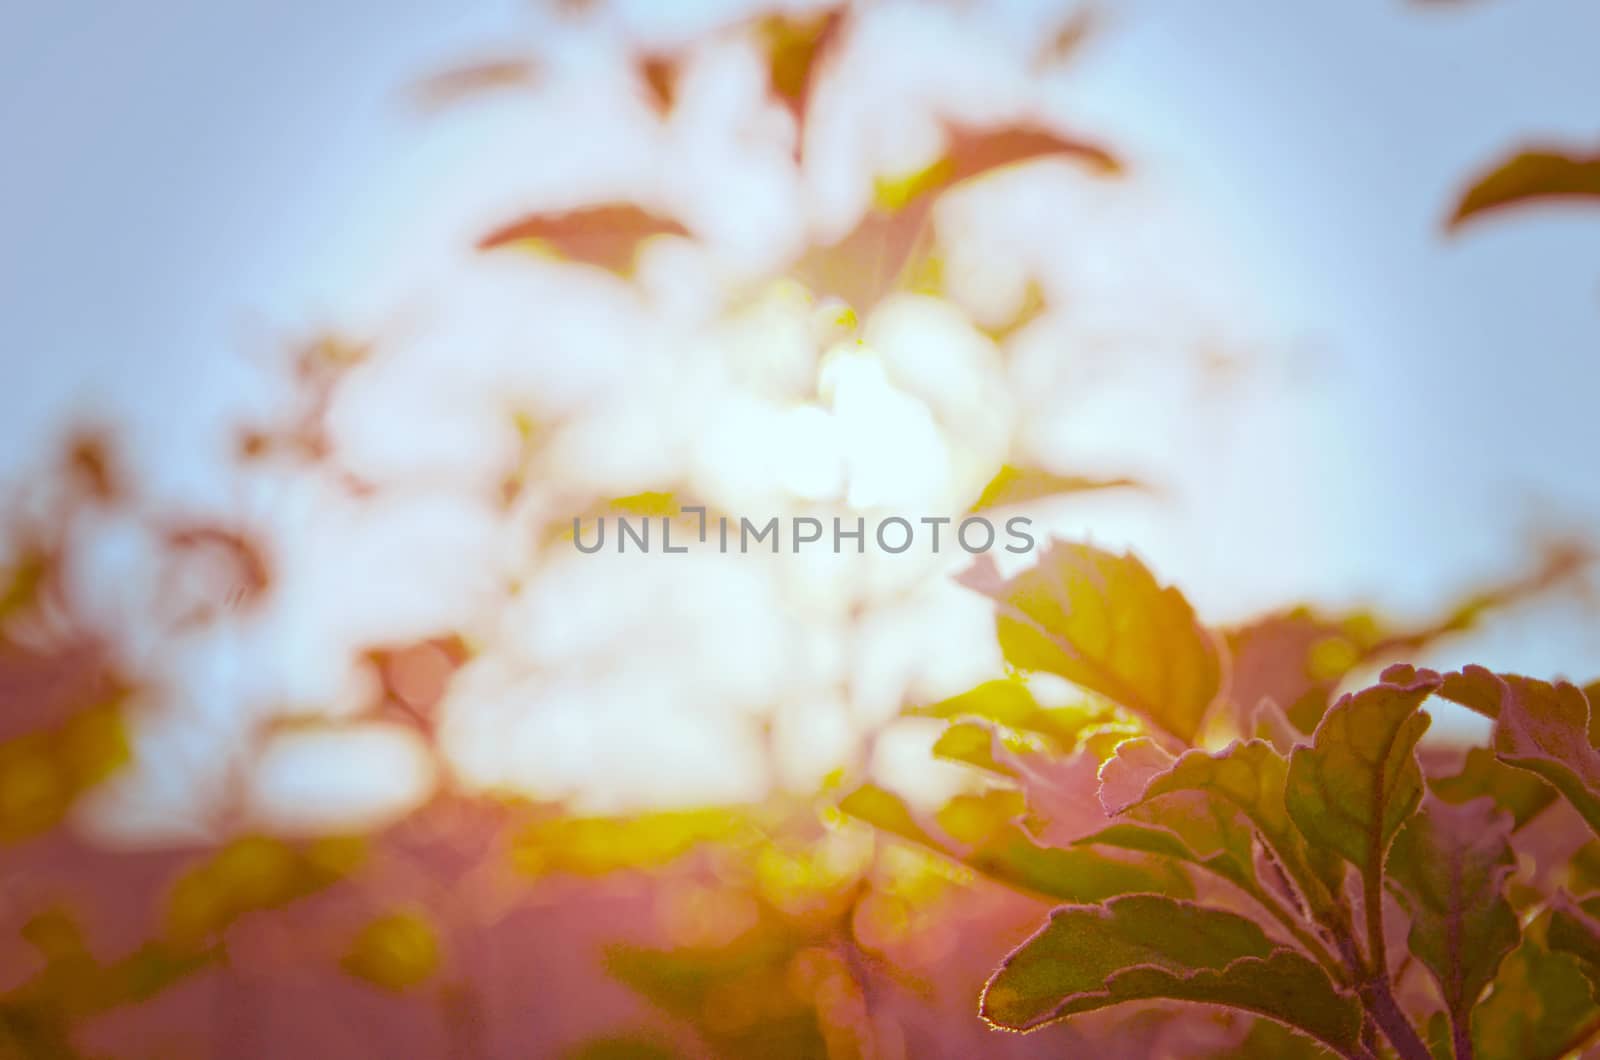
(1103, 622)
(1002, 851)
(1353, 788)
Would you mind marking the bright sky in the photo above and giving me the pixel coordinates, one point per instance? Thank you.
(187, 186)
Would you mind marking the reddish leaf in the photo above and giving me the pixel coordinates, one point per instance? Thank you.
(1540, 727)
(1449, 867)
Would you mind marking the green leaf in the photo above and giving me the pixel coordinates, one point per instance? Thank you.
(1483, 775)
(885, 810)
(1539, 1007)
(1537, 175)
(1151, 946)
(1449, 867)
(1353, 788)
(1004, 852)
(1069, 875)
(1250, 777)
(1103, 622)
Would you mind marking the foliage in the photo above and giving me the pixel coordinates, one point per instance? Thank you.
(1314, 841)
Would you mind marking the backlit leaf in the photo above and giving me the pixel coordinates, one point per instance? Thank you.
(1104, 623)
(1151, 946)
(1448, 867)
(1353, 788)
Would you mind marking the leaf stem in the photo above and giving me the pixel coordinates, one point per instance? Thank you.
(1461, 1035)
(1372, 906)
(1378, 997)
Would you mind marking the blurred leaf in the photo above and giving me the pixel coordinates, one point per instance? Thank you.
(1151, 946)
(632, 1047)
(253, 873)
(1449, 867)
(1530, 176)
(1520, 793)
(1008, 702)
(1297, 658)
(1539, 1007)
(44, 771)
(1069, 875)
(744, 997)
(474, 79)
(1001, 850)
(1354, 787)
(595, 846)
(1014, 485)
(975, 151)
(1102, 622)
(35, 790)
(885, 810)
(396, 951)
(74, 985)
(607, 237)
